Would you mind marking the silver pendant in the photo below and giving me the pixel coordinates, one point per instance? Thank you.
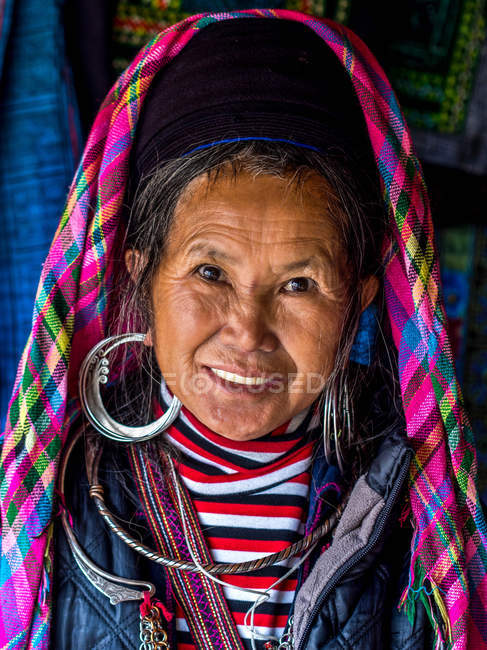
(117, 589)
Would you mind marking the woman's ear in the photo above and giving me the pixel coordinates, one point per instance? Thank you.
(134, 261)
(370, 287)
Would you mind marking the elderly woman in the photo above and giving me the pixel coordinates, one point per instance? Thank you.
(238, 358)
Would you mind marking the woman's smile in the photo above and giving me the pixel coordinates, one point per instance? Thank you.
(239, 379)
(242, 385)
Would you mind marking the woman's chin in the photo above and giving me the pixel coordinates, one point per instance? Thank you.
(238, 419)
(239, 433)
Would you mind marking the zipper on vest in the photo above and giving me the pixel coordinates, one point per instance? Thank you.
(373, 540)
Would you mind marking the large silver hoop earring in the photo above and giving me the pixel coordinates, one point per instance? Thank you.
(94, 371)
(337, 419)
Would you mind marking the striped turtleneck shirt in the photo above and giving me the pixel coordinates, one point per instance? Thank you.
(251, 498)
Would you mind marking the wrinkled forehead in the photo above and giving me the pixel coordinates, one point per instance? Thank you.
(265, 221)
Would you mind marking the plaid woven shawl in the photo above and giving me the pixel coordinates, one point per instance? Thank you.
(72, 309)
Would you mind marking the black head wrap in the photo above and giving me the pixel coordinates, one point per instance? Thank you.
(250, 79)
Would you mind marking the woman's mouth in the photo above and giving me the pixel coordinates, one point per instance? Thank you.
(238, 379)
(232, 382)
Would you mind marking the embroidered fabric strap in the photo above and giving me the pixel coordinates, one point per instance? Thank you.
(207, 614)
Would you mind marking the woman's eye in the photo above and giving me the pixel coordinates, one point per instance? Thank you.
(209, 273)
(299, 285)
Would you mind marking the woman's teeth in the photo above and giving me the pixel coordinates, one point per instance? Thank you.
(237, 379)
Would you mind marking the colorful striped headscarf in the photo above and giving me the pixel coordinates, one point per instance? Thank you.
(72, 308)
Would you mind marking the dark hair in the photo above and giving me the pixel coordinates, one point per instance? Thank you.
(359, 216)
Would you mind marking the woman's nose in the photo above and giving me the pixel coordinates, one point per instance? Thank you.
(248, 326)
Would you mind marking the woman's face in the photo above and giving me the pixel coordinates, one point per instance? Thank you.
(249, 301)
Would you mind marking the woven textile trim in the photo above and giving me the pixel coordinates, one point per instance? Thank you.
(72, 310)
